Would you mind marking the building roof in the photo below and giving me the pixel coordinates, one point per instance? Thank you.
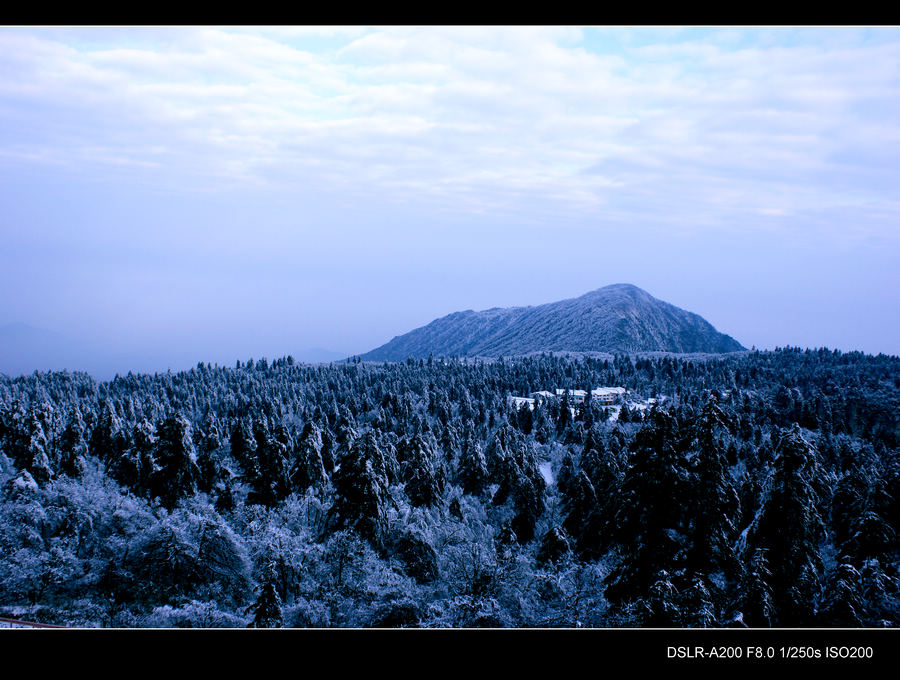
(607, 391)
(599, 392)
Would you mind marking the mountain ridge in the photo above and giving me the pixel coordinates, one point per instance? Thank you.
(616, 318)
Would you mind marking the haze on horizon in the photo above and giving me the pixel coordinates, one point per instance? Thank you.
(176, 195)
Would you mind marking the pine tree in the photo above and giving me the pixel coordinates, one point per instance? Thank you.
(756, 603)
(267, 608)
(843, 605)
(473, 471)
(582, 516)
(361, 491)
(36, 452)
(496, 453)
(660, 607)
(520, 477)
(417, 471)
(309, 468)
(697, 605)
(858, 508)
(243, 447)
(269, 485)
(525, 419)
(207, 442)
(650, 520)
(177, 472)
(554, 546)
(108, 438)
(790, 528)
(602, 468)
(713, 519)
(73, 446)
(136, 468)
(565, 478)
(565, 415)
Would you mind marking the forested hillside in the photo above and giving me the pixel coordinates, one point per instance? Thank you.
(761, 489)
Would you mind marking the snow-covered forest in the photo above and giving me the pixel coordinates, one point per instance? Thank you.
(762, 491)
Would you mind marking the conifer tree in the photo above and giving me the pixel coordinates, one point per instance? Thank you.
(473, 471)
(790, 528)
(417, 471)
(650, 517)
(755, 601)
(243, 447)
(36, 454)
(565, 415)
(137, 467)
(713, 520)
(582, 520)
(697, 604)
(267, 608)
(73, 447)
(554, 546)
(843, 603)
(565, 478)
(177, 473)
(361, 490)
(107, 438)
(525, 419)
(603, 470)
(309, 468)
(269, 484)
(518, 476)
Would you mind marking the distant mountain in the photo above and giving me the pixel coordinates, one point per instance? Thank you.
(24, 349)
(318, 355)
(617, 318)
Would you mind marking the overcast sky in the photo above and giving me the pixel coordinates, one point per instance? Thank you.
(220, 193)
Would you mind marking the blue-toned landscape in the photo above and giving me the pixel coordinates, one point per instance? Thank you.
(450, 327)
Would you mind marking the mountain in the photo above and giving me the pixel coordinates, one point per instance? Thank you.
(24, 349)
(617, 318)
(319, 355)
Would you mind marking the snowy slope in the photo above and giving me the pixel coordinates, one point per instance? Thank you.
(617, 318)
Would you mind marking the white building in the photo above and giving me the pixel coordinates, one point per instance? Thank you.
(601, 395)
(542, 395)
(607, 395)
(518, 402)
(574, 395)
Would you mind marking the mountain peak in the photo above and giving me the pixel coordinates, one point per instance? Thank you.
(621, 286)
(620, 289)
(617, 318)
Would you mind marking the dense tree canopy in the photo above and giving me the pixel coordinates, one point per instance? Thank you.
(759, 488)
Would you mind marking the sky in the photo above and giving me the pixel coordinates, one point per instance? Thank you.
(207, 194)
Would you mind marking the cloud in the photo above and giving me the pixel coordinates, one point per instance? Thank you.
(472, 118)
